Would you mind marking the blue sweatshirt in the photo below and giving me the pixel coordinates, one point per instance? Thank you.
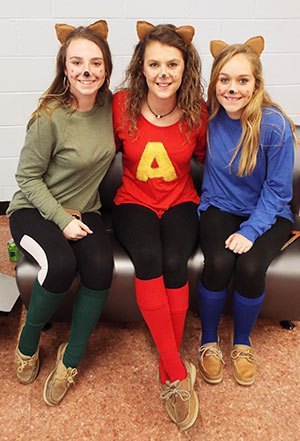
(261, 196)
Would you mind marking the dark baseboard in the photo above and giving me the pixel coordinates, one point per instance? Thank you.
(3, 207)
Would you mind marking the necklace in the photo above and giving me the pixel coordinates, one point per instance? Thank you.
(161, 116)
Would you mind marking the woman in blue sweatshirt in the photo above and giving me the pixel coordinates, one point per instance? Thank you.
(244, 210)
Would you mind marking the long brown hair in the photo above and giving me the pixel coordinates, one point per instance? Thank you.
(252, 114)
(58, 92)
(190, 93)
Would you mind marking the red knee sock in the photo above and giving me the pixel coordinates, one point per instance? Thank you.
(153, 303)
(178, 299)
(178, 302)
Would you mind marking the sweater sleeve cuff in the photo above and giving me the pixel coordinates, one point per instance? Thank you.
(249, 233)
(61, 218)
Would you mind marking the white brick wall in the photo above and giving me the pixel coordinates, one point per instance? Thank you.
(28, 49)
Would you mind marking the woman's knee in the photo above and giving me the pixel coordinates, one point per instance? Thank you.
(218, 270)
(147, 262)
(249, 269)
(97, 274)
(175, 271)
(220, 264)
(250, 278)
(174, 263)
(57, 275)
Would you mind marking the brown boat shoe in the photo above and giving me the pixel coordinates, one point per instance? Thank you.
(26, 367)
(59, 380)
(244, 364)
(211, 362)
(182, 403)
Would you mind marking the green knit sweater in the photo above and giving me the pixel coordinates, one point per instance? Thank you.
(63, 161)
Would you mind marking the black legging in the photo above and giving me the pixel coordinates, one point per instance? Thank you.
(60, 258)
(249, 268)
(158, 246)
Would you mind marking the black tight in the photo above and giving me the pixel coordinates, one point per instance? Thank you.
(59, 258)
(158, 246)
(249, 268)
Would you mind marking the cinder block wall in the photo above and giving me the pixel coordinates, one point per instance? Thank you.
(29, 46)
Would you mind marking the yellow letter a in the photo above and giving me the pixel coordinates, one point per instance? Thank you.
(155, 151)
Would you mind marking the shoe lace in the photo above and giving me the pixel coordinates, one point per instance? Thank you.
(23, 363)
(206, 351)
(174, 390)
(70, 375)
(236, 353)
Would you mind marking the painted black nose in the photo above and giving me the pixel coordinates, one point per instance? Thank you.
(86, 73)
(163, 75)
(231, 91)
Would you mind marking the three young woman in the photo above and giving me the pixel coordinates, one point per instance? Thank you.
(160, 122)
(245, 216)
(68, 148)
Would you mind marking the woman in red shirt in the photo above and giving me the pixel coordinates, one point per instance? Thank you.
(160, 121)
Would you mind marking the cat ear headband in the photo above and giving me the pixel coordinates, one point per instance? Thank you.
(185, 32)
(256, 44)
(63, 30)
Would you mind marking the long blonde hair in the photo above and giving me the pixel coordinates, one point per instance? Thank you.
(59, 94)
(190, 94)
(252, 114)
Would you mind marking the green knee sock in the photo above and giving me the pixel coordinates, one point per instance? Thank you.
(87, 309)
(42, 306)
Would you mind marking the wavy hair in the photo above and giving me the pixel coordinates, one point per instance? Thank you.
(58, 92)
(190, 93)
(252, 114)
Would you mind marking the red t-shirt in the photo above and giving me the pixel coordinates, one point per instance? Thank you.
(156, 161)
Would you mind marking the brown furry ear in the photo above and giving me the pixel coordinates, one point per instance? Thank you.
(256, 44)
(63, 31)
(143, 28)
(186, 33)
(100, 27)
(216, 47)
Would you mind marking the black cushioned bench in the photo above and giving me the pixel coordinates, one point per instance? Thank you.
(282, 300)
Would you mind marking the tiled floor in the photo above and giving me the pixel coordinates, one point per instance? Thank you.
(116, 397)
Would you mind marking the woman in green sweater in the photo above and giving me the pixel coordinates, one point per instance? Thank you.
(54, 217)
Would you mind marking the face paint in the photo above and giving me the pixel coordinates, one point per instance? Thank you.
(163, 69)
(83, 56)
(235, 85)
